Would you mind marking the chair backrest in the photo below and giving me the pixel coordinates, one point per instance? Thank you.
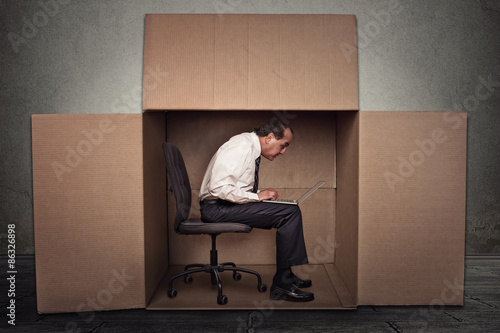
(179, 181)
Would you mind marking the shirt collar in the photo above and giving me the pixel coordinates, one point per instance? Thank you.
(256, 141)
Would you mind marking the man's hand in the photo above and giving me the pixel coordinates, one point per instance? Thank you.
(268, 194)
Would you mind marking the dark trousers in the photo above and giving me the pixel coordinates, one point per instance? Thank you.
(287, 219)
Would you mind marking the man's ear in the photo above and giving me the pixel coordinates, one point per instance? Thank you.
(269, 137)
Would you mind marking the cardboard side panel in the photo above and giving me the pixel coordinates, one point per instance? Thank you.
(318, 215)
(250, 62)
(412, 208)
(155, 201)
(346, 231)
(88, 211)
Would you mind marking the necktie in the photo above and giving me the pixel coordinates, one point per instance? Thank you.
(256, 179)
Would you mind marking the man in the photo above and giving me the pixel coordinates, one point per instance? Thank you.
(229, 194)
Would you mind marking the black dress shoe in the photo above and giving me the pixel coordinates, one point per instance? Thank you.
(299, 283)
(290, 293)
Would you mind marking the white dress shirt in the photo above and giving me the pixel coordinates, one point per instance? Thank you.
(231, 171)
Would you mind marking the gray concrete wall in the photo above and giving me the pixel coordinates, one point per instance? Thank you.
(63, 56)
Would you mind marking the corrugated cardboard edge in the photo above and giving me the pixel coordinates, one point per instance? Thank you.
(156, 245)
(346, 232)
(343, 293)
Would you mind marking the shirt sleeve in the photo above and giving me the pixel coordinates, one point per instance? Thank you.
(231, 175)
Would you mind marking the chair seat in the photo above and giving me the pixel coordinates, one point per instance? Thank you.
(197, 226)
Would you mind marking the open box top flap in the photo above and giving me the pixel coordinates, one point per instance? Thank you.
(412, 188)
(88, 211)
(250, 62)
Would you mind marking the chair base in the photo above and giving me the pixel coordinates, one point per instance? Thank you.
(216, 279)
(214, 269)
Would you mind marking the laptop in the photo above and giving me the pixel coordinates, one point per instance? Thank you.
(299, 200)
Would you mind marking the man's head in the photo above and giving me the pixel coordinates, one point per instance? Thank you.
(275, 136)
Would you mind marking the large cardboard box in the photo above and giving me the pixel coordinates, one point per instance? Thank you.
(387, 228)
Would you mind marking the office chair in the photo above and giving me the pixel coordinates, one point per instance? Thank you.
(181, 188)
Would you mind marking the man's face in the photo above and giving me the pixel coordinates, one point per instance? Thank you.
(272, 148)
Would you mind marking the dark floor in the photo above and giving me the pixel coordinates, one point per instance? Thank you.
(481, 313)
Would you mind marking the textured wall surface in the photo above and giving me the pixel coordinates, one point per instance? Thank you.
(63, 56)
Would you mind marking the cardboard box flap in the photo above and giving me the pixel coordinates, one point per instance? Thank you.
(412, 179)
(88, 212)
(250, 62)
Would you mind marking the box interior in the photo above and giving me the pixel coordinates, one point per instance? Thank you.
(311, 157)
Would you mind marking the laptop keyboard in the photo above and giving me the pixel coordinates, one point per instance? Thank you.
(285, 200)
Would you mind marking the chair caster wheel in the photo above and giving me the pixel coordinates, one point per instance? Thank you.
(236, 276)
(188, 279)
(172, 293)
(222, 300)
(262, 287)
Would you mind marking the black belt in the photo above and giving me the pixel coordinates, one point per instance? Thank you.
(209, 202)
(216, 201)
